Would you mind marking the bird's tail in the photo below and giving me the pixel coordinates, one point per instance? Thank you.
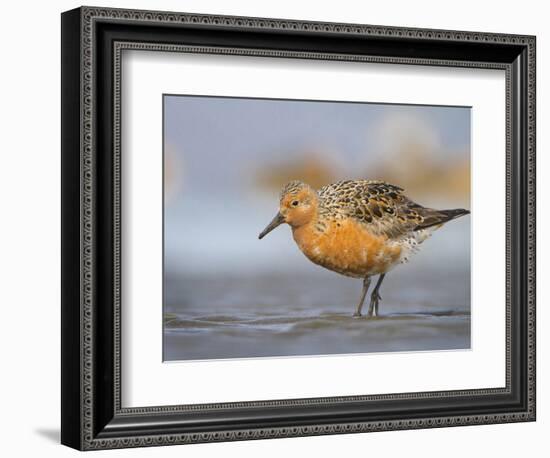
(437, 217)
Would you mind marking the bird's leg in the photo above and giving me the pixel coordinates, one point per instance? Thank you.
(375, 298)
(366, 284)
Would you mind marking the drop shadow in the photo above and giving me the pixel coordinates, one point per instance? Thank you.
(53, 435)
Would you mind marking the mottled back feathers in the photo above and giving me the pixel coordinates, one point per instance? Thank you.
(381, 206)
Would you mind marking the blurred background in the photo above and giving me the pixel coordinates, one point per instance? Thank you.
(229, 295)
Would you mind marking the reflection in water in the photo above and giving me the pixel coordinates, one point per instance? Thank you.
(304, 314)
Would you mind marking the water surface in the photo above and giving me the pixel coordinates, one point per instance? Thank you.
(310, 313)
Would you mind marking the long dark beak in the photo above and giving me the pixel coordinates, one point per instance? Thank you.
(277, 221)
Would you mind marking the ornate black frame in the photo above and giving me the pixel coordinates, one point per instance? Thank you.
(92, 42)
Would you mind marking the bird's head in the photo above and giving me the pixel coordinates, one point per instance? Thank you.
(297, 206)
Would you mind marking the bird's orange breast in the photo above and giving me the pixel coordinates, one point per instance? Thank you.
(347, 247)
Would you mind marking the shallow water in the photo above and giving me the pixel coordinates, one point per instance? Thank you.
(310, 313)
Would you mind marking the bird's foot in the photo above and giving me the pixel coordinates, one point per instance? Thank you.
(373, 306)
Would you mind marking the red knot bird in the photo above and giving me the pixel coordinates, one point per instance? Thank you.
(357, 228)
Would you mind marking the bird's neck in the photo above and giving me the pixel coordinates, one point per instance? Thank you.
(306, 234)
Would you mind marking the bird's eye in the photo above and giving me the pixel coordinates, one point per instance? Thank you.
(295, 203)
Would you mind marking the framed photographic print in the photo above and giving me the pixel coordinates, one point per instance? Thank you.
(277, 228)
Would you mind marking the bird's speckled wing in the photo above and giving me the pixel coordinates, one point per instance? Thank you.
(381, 206)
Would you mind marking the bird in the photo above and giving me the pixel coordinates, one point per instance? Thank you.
(357, 228)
